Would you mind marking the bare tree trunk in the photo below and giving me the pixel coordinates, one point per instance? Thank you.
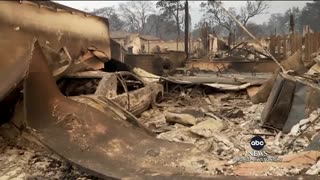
(186, 29)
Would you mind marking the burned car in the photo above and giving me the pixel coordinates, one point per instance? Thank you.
(124, 88)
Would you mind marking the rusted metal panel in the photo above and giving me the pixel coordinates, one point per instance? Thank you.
(14, 60)
(102, 145)
(291, 99)
(281, 100)
(57, 28)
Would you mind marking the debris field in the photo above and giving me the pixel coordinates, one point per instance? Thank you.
(221, 124)
(77, 104)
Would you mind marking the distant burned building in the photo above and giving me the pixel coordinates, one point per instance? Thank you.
(120, 36)
(140, 43)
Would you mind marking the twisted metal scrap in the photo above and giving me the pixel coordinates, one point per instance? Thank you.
(251, 35)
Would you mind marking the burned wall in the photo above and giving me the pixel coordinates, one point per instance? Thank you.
(56, 27)
(147, 62)
(238, 66)
(20, 23)
(117, 50)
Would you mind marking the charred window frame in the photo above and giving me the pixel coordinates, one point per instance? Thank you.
(121, 87)
(78, 86)
(132, 82)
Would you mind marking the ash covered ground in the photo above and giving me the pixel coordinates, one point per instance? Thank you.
(221, 124)
(21, 158)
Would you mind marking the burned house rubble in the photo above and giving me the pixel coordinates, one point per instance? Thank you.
(76, 105)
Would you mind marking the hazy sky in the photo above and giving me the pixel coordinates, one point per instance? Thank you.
(275, 7)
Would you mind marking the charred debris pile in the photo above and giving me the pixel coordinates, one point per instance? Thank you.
(70, 110)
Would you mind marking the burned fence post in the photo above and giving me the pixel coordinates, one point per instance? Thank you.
(186, 29)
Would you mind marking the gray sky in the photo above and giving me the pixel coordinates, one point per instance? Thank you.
(275, 7)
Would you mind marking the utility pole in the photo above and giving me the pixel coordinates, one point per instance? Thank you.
(178, 28)
(207, 38)
(291, 24)
(186, 29)
(234, 37)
